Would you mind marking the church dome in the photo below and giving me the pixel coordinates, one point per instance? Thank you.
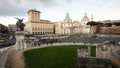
(67, 19)
(85, 19)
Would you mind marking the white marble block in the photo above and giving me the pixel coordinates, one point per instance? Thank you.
(20, 43)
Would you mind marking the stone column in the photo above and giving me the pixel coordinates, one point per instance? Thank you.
(98, 51)
(89, 50)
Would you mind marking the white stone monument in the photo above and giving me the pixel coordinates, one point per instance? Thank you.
(103, 51)
(83, 52)
(20, 44)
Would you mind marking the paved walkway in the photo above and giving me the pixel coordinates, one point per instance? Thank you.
(11, 58)
(17, 60)
(3, 57)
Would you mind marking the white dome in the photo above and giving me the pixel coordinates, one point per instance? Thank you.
(85, 19)
(67, 19)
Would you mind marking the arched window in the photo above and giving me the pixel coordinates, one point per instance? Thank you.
(36, 29)
(33, 28)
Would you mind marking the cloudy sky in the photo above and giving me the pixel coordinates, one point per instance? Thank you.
(55, 10)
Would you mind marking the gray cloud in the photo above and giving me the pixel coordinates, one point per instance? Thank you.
(18, 1)
(11, 8)
(20, 7)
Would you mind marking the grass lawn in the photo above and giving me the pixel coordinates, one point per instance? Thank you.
(53, 57)
(93, 51)
(4, 36)
(1, 41)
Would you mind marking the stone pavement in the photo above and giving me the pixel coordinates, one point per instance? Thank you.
(17, 60)
(3, 57)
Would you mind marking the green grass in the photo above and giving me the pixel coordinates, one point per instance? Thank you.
(1, 41)
(53, 57)
(83, 47)
(93, 51)
(4, 36)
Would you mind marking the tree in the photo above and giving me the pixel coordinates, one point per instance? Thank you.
(117, 23)
(108, 24)
(93, 23)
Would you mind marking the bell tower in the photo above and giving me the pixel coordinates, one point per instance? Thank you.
(92, 17)
(34, 15)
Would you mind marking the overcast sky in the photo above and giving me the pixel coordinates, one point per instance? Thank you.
(55, 10)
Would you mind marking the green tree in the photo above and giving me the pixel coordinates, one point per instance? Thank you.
(117, 23)
(93, 23)
(108, 24)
